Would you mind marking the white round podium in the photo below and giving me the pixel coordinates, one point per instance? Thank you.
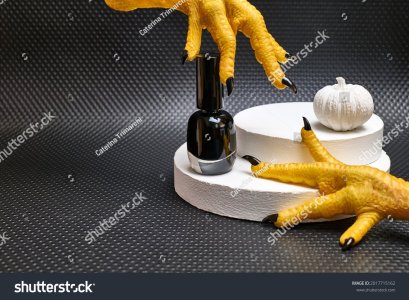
(238, 194)
(271, 133)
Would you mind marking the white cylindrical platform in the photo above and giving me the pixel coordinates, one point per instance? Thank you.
(272, 133)
(238, 194)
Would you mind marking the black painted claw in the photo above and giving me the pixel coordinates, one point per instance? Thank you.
(307, 125)
(230, 85)
(270, 219)
(254, 161)
(290, 84)
(185, 54)
(290, 57)
(349, 243)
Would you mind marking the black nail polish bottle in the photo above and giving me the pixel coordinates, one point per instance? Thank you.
(211, 135)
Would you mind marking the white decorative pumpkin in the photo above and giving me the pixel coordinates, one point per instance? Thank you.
(342, 106)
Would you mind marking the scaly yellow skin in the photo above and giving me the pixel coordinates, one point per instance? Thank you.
(222, 18)
(367, 192)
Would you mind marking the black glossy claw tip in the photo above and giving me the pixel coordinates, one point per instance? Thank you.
(290, 84)
(307, 125)
(348, 244)
(270, 219)
(185, 54)
(254, 161)
(289, 56)
(230, 85)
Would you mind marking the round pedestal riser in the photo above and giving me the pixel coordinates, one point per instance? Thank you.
(238, 194)
(272, 133)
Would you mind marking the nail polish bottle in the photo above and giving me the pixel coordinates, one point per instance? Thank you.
(211, 135)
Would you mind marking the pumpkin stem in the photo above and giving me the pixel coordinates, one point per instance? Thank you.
(341, 82)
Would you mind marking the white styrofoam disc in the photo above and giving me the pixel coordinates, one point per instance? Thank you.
(238, 194)
(272, 133)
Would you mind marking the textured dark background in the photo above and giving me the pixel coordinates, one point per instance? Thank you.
(90, 66)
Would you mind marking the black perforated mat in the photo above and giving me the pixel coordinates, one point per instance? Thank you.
(92, 69)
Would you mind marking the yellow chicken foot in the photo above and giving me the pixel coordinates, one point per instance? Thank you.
(223, 18)
(367, 192)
